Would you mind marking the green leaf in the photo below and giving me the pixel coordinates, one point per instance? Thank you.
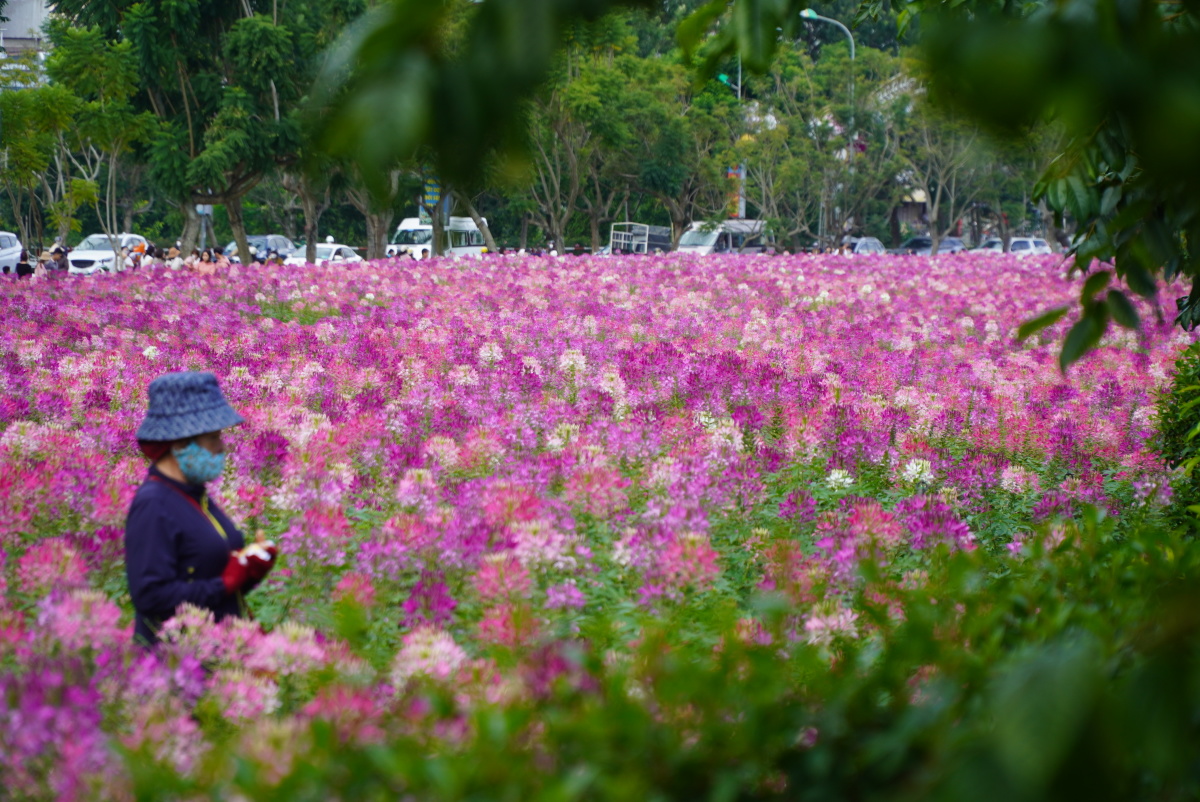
(1110, 199)
(1094, 284)
(1121, 310)
(1056, 194)
(1139, 279)
(754, 23)
(695, 27)
(1045, 320)
(1083, 336)
(1041, 702)
(1078, 198)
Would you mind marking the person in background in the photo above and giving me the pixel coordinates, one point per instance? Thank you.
(220, 260)
(179, 545)
(58, 259)
(205, 266)
(174, 261)
(24, 269)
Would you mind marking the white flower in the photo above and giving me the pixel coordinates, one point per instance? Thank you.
(150, 352)
(822, 630)
(463, 376)
(490, 353)
(839, 479)
(427, 652)
(572, 361)
(563, 435)
(444, 450)
(611, 383)
(917, 470)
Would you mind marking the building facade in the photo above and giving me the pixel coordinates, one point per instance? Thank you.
(23, 31)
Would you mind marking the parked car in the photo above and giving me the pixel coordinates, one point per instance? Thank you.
(728, 236)
(866, 245)
(10, 252)
(1029, 246)
(95, 254)
(923, 245)
(326, 252)
(1017, 246)
(262, 245)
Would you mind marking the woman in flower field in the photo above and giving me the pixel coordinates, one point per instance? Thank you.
(179, 547)
(643, 526)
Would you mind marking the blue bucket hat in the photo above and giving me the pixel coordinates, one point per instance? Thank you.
(184, 405)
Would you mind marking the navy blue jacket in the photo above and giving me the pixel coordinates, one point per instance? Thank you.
(173, 554)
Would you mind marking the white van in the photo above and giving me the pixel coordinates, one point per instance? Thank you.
(728, 236)
(414, 238)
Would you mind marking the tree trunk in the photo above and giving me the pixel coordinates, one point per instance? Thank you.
(376, 212)
(312, 215)
(594, 220)
(488, 240)
(191, 227)
(437, 246)
(378, 224)
(233, 208)
(524, 231)
(678, 219)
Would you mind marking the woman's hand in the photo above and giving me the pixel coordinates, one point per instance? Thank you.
(249, 565)
(260, 559)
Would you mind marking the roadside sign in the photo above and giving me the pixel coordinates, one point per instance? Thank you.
(433, 192)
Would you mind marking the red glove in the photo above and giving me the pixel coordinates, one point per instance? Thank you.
(236, 574)
(248, 566)
(260, 559)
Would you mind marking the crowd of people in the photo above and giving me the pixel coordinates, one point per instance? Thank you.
(206, 262)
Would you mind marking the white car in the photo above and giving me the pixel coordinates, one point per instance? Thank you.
(10, 252)
(326, 252)
(1017, 246)
(95, 254)
(864, 245)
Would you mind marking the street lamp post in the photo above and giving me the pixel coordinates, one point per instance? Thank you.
(809, 14)
(741, 176)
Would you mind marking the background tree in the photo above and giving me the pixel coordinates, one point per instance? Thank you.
(101, 75)
(35, 117)
(948, 162)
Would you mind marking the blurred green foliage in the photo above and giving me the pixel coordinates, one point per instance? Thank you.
(1179, 432)
(1068, 673)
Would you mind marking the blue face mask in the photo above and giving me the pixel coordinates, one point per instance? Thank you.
(199, 465)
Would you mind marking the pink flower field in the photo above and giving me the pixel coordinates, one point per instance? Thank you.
(491, 480)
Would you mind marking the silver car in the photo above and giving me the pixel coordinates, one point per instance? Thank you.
(10, 252)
